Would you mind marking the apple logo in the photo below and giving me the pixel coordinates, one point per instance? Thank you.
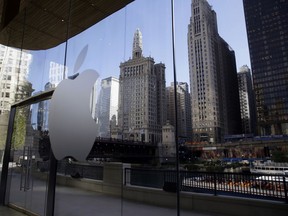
(71, 126)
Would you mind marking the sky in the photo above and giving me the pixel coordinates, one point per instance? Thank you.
(110, 41)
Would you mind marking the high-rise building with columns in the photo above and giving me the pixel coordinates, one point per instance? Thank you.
(142, 102)
(213, 78)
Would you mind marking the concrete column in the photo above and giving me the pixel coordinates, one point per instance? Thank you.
(113, 177)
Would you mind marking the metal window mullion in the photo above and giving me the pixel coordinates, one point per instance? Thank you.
(6, 159)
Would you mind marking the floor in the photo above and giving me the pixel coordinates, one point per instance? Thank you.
(75, 202)
(5, 211)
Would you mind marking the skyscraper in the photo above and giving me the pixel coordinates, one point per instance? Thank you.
(142, 96)
(14, 86)
(247, 101)
(14, 70)
(213, 77)
(107, 106)
(267, 31)
(229, 95)
(183, 108)
(56, 73)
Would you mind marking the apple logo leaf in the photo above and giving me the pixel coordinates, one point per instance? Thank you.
(80, 59)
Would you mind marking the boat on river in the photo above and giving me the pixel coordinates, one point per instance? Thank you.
(269, 167)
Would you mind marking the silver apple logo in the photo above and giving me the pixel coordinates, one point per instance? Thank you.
(71, 127)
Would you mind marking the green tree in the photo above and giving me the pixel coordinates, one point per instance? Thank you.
(19, 130)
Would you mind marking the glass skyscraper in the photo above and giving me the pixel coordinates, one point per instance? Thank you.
(267, 30)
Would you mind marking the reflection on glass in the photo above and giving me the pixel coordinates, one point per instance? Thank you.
(131, 51)
(14, 84)
(30, 158)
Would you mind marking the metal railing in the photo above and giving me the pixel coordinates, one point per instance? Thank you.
(270, 187)
(75, 170)
(89, 171)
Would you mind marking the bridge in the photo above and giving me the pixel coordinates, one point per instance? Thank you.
(249, 148)
(105, 149)
(127, 151)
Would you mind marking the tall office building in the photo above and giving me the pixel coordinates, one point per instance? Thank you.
(43, 109)
(14, 86)
(247, 100)
(57, 72)
(107, 106)
(229, 95)
(213, 78)
(267, 31)
(183, 107)
(14, 70)
(142, 103)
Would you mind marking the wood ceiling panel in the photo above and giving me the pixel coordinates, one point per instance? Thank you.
(46, 21)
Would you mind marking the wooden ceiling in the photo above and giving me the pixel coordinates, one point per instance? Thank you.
(49, 23)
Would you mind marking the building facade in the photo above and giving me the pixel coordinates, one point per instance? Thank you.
(183, 107)
(14, 85)
(14, 70)
(229, 97)
(267, 31)
(213, 78)
(107, 106)
(247, 100)
(57, 72)
(142, 96)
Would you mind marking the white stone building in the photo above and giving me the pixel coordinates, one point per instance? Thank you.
(142, 102)
(14, 70)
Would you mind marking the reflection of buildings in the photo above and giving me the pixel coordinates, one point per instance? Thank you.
(213, 77)
(142, 96)
(14, 69)
(107, 106)
(267, 31)
(42, 112)
(183, 107)
(247, 103)
(56, 75)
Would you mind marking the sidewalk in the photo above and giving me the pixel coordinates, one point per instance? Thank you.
(6, 211)
(76, 202)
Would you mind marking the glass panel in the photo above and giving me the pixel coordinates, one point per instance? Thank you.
(29, 160)
(182, 14)
(26, 73)
(154, 171)
(131, 48)
(80, 188)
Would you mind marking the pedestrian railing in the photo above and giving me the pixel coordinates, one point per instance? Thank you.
(272, 187)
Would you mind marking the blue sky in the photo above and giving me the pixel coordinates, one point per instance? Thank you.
(110, 41)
